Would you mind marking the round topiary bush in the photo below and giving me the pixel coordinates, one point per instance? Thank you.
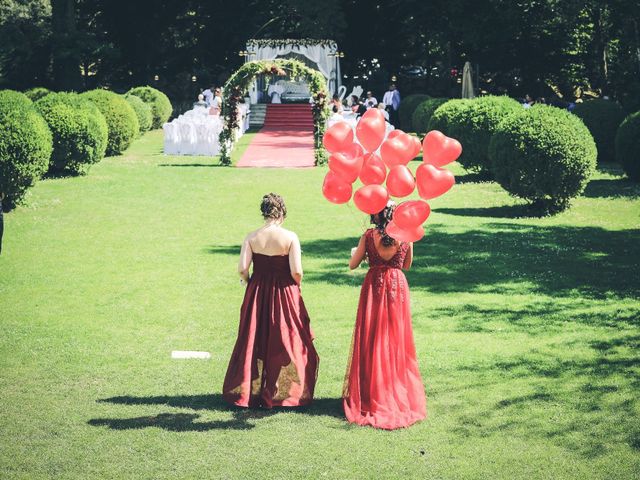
(160, 105)
(627, 145)
(122, 120)
(544, 155)
(143, 112)
(408, 106)
(13, 98)
(602, 118)
(25, 150)
(37, 93)
(422, 114)
(79, 130)
(472, 123)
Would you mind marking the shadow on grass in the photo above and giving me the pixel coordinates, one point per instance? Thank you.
(183, 422)
(191, 165)
(612, 188)
(505, 211)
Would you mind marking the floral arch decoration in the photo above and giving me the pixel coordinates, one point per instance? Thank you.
(239, 83)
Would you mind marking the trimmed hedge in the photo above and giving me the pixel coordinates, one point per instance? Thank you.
(602, 118)
(13, 98)
(37, 93)
(79, 130)
(627, 146)
(25, 150)
(407, 106)
(422, 114)
(472, 123)
(122, 120)
(143, 112)
(160, 105)
(544, 155)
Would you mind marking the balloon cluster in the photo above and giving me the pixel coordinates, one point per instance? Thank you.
(374, 159)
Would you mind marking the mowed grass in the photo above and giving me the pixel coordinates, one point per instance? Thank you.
(526, 331)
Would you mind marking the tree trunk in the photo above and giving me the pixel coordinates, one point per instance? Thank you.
(66, 52)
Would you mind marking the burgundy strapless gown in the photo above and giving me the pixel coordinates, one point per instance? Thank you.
(274, 362)
(383, 387)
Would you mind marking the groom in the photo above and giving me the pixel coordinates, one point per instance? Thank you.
(392, 101)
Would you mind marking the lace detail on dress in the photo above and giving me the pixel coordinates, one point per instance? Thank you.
(383, 270)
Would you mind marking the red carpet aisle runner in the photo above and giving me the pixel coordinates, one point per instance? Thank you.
(285, 140)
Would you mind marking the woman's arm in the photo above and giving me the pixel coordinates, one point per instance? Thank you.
(358, 255)
(295, 259)
(408, 260)
(246, 255)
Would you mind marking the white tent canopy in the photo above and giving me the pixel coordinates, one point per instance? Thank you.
(322, 53)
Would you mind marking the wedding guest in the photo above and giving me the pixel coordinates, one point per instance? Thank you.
(357, 106)
(383, 387)
(336, 102)
(216, 103)
(208, 96)
(200, 102)
(382, 108)
(370, 101)
(392, 100)
(336, 116)
(528, 101)
(274, 362)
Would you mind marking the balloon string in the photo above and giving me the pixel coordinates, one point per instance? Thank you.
(362, 224)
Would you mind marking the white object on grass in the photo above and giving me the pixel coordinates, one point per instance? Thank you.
(190, 354)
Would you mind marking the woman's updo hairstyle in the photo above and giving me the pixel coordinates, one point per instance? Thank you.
(381, 220)
(273, 207)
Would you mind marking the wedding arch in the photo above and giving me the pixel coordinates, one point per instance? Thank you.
(239, 83)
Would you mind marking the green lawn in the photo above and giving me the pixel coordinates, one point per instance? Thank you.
(526, 331)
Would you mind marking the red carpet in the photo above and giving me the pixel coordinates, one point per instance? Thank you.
(286, 140)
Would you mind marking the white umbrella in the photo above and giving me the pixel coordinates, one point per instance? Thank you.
(467, 82)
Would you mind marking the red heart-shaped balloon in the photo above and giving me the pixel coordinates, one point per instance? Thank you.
(395, 133)
(371, 198)
(433, 181)
(411, 214)
(417, 146)
(412, 234)
(370, 129)
(373, 170)
(400, 181)
(439, 150)
(346, 165)
(335, 189)
(397, 150)
(338, 137)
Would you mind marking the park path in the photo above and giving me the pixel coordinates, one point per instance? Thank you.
(285, 140)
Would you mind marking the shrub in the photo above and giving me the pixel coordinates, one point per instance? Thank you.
(122, 121)
(627, 145)
(25, 150)
(37, 93)
(13, 98)
(79, 130)
(472, 123)
(422, 114)
(142, 110)
(407, 107)
(602, 118)
(544, 155)
(160, 105)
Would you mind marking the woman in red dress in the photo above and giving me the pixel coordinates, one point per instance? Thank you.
(383, 387)
(274, 362)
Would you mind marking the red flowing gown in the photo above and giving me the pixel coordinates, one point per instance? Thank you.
(383, 387)
(274, 362)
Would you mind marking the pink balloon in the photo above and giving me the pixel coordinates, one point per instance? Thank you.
(397, 151)
(439, 150)
(370, 129)
(335, 189)
(433, 181)
(417, 146)
(395, 133)
(346, 165)
(400, 181)
(371, 198)
(411, 214)
(373, 170)
(338, 137)
(412, 234)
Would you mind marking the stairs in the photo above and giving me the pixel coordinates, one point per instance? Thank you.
(291, 116)
(257, 115)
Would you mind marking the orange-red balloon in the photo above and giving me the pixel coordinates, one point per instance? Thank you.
(373, 170)
(370, 129)
(411, 214)
(395, 133)
(347, 165)
(338, 137)
(417, 146)
(440, 150)
(433, 181)
(412, 234)
(335, 189)
(371, 198)
(400, 181)
(397, 150)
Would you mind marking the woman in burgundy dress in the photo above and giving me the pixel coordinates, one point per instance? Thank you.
(274, 362)
(383, 387)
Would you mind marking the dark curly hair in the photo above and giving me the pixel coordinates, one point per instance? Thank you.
(380, 220)
(273, 207)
